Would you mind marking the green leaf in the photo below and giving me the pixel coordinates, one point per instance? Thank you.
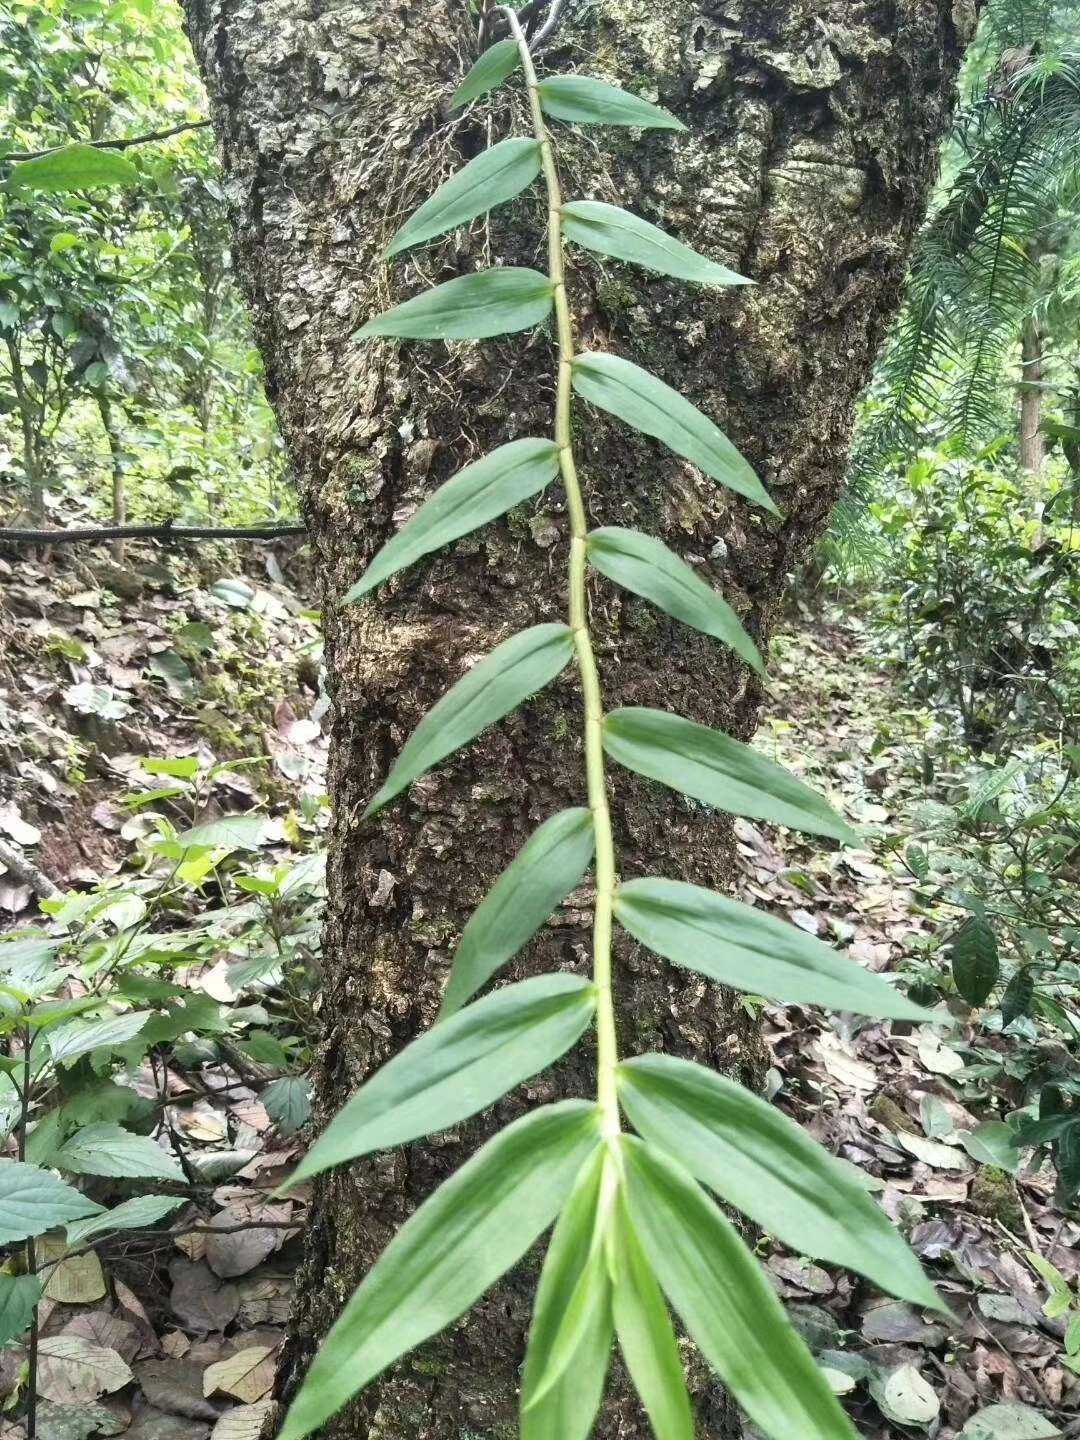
(646, 403)
(18, 1296)
(470, 499)
(232, 832)
(710, 766)
(749, 950)
(647, 567)
(460, 1067)
(493, 67)
(646, 1336)
(75, 167)
(111, 1150)
(288, 1102)
(464, 1236)
(993, 1143)
(472, 307)
(552, 863)
(79, 1037)
(975, 964)
(495, 176)
(568, 1409)
(765, 1165)
(1018, 996)
(142, 1211)
(586, 101)
(618, 233)
(514, 670)
(726, 1304)
(33, 1201)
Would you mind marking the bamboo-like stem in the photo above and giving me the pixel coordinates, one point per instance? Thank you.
(606, 1044)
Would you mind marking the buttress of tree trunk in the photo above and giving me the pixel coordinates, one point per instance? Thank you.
(813, 139)
(1032, 440)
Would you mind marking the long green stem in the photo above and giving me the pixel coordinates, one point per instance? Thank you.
(607, 1046)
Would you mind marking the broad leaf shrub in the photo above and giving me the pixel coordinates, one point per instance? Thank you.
(637, 1227)
(106, 984)
(981, 612)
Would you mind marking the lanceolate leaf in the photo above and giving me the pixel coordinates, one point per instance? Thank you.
(458, 1068)
(33, 1201)
(647, 567)
(512, 672)
(646, 1336)
(568, 1409)
(656, 409)
(551, 864)
(749, 950)
(615, 232)
(587, 101)
(495, 176)
(475, 495)
(501, 60)
(726, 1304)
(759, 1161)
(475, 1226)
(712, 767)
(75, 167)
(472, 307)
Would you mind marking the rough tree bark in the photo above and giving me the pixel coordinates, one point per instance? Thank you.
(814, 134)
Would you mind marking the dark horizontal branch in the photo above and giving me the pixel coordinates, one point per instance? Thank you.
(114, 144)
(149, 532)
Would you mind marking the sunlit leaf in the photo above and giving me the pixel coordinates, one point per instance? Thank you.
(586, 101)
(711, 766)
(611, 231)
(626, 390)
(765, 1165)
(647, 567)
(552, 863)
(458, 1068)
(725, 1302)
(79, 1037)
(75, 167)
(493, 67)
(472, 307)
(475, 495)
(749, 950)
(496, 175)
(464, 1236)
(514, 670)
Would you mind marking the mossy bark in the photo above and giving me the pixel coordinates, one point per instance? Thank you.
(814, 134)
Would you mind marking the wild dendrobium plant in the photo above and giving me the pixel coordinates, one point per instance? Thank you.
(636, 1224)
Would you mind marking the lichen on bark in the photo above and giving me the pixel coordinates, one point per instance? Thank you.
(813, 138)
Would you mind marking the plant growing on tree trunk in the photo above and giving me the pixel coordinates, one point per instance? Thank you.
(635, 1226)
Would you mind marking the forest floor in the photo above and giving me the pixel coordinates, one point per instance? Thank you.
(107, 665)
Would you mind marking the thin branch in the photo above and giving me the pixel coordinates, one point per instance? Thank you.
(26, 873)
(148, 532)
(115, 144)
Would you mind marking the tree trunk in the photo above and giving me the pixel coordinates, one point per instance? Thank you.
(117, 462)
(1032, 441)
(814, 135)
